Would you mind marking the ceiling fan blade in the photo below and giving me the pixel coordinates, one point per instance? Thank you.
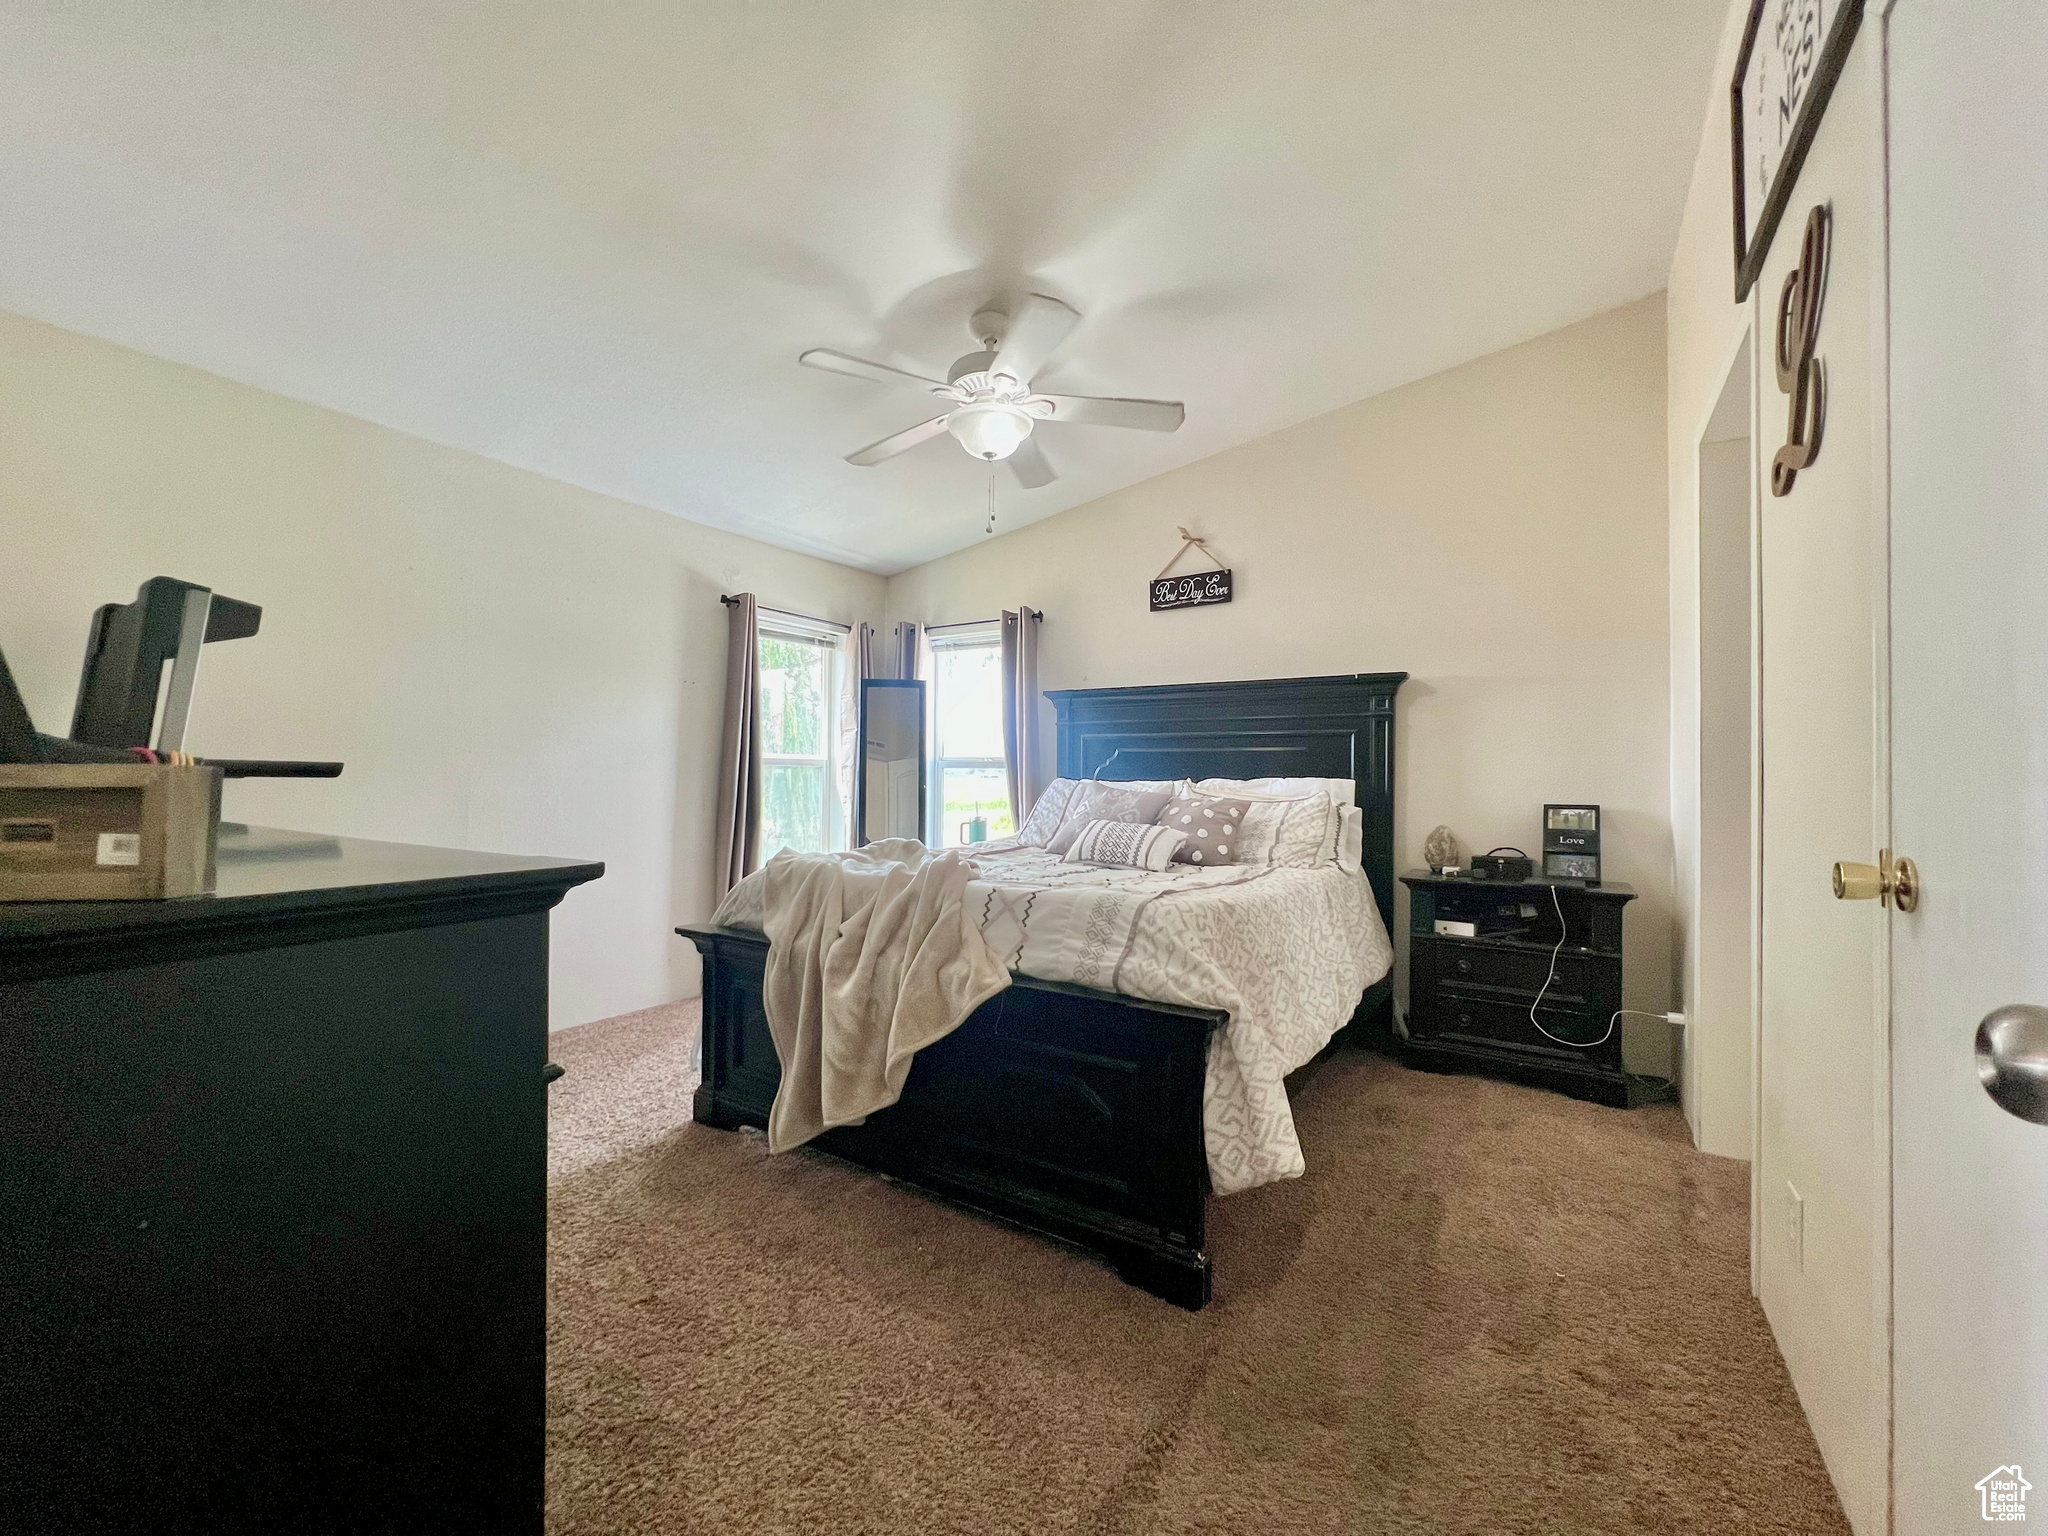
(890, 446)
(1030, 466)
(1039, 325)
(861, 368)
(1099, 411)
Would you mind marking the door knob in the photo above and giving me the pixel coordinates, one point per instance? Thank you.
(1895, 881)
(2012, 1059)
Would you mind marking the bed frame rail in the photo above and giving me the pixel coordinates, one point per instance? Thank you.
(1071, 1111)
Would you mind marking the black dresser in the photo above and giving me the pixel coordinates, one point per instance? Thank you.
(273, 1196)
(1469, 997)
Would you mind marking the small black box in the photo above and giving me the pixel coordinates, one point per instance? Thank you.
(1501, 864)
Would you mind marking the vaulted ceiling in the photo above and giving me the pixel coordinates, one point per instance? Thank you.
(591, 239)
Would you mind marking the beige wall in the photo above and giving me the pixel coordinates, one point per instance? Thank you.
(505, 662)
(1498, 531)
(1704, 332)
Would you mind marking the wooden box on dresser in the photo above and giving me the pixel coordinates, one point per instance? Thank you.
(1469, 998)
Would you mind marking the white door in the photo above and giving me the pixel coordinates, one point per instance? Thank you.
(1968, 181)
(1820, 1191)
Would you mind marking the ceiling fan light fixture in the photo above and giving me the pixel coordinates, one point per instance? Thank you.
(989, 405)
(990, 431)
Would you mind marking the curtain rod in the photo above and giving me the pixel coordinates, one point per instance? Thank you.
(787, 613)
(933, 629)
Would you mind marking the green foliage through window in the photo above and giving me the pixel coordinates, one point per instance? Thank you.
(796, 772)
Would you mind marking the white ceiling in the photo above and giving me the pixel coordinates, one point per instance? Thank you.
(590, 239)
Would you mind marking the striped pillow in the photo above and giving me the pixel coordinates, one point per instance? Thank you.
(1131, 844)
(1109, 800)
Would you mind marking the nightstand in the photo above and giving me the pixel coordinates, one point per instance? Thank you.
(1469, 996)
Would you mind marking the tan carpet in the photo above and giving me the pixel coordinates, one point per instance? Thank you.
(626, 1084)
(1485, 1309)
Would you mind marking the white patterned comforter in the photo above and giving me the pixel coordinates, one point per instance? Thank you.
(1286, 952)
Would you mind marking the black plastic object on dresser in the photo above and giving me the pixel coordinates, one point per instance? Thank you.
(136, 688)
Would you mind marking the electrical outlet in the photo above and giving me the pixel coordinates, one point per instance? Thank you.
(1795, 1226)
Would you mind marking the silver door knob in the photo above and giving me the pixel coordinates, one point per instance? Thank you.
(2012, 1059)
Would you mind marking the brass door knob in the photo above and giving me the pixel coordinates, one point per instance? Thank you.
(1893, 881)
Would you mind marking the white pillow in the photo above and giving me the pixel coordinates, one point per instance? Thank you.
(1340, 791)
(1131, 844)
(1351, 841)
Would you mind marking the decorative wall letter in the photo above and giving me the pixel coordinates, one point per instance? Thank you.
(1800, 373)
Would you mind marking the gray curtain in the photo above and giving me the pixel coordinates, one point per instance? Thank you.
(906, 650)
(1021, 755)
(739, 769)
(860, 665)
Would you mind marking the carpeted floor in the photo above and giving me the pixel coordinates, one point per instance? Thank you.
(1485, 1309)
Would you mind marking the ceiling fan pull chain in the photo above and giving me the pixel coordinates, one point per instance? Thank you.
(991, 528)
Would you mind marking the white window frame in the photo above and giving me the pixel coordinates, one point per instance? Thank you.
(986, 635)
(831, 640)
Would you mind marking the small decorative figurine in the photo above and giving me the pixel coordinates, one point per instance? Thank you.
(1440, 850)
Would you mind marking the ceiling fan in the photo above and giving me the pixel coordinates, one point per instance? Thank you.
(990, 407)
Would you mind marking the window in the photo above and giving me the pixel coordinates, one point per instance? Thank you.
(968, 776)
(800, 806)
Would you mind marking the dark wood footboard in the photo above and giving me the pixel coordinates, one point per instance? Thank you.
(1071, 1111)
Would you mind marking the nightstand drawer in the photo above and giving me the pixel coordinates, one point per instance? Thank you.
(1521, 970)
(1498, 1021)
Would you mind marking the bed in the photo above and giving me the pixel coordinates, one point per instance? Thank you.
(1076, 1110)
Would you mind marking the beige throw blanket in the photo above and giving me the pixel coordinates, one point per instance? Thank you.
(872, 956)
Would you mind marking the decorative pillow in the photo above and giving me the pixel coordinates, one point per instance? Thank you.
(1046, 816)
(1308, 833)
(1134, 845)
(1211, 826)
(1103, 800)
(1342, 791)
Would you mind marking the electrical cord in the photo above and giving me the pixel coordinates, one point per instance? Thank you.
(1577, 1045)
(1608, 1033)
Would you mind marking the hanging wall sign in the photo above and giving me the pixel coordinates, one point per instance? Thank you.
(1194, 590)
(1791, 56)
(1190, 591)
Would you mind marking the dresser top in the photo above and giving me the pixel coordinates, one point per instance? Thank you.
(1609, 888)
(270, 875)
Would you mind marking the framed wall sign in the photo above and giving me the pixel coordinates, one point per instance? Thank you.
(1194, 590)
(1792, 54)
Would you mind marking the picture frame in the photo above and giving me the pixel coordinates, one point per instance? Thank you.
(1792, 53)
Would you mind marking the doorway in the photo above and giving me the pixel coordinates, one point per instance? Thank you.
(1716, 1080)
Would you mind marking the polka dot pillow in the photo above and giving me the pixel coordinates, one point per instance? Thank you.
(1211, 826)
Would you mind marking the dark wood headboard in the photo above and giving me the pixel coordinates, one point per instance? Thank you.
(1319, 727)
